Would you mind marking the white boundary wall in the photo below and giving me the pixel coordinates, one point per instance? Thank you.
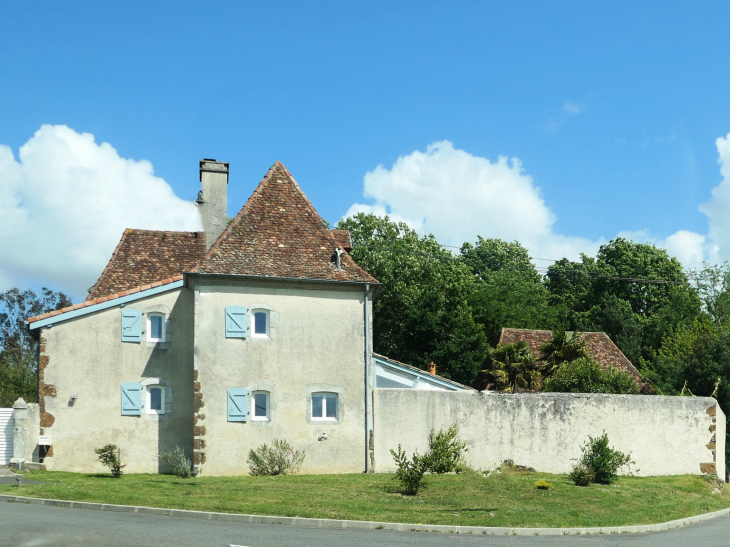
(664, 435)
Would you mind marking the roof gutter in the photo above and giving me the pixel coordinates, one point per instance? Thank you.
(374, 285)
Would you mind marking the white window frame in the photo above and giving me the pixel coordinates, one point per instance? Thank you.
(255, 334)
(148, 399)
(253, 406)
(324, 417)
(148, 320)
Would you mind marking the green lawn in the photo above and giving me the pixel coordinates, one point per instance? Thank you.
(506, 499)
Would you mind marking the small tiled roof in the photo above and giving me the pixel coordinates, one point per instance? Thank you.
(144, 256)
(278, 233)
(343, 238)
(599, 346)
(114, 296)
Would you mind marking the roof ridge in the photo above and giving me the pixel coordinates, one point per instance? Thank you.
(114, 296)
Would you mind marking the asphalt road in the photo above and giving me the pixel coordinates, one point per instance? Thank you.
(38, 525)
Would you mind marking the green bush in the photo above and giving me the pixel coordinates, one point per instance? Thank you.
(582, 475)
(584, 375)
(278, 459)
(109, 456)
(180, 465)
(410, 472)
(445, 450)
(603, 460)
(543, 485)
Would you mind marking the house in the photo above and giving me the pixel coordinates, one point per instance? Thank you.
(258, 328)
(599, 346)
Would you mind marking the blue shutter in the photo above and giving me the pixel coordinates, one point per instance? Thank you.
(131, 399)
(131, 325)
(237, 404)
(236, 321)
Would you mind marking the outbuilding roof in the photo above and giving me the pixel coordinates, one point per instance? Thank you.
(599, 346)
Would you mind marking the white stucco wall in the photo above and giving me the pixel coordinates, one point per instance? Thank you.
(317, 343)
(86, 356)
(664, 435)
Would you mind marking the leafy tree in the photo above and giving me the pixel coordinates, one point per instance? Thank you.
(422, 312)
(513, 367)
(563, 347)
(18, 349)
(584, 375)
(713, 286)
(494, 255)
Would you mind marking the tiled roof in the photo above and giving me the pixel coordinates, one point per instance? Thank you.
(278, 233)
(114, 296)
(144, 256)
(599, 346)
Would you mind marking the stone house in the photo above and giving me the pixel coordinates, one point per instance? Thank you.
(219, 341)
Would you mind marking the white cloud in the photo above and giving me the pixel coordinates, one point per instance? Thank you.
(572, 108)
(718, 207)
(457, 196)
(66, 202)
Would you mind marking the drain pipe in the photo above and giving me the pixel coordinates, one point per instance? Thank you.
(368, 410)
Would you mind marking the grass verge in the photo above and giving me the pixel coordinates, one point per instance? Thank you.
(508, 498)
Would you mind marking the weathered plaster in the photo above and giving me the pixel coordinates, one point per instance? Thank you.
(86, 356)
(664, 435)
(319, 340)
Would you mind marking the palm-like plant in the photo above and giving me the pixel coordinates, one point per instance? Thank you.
(564, 347)
(513, 367)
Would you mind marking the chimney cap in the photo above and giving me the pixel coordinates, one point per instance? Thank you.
(432, 368)
(213, 166)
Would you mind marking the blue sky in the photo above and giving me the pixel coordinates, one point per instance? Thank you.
(612, 110)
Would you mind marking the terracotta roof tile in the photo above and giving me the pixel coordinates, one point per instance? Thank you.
(143, 256)
(278, 233)
(599, 345)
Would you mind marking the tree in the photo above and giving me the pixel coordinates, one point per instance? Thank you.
(713, 286)
(493, 255)
(585, 375)
(512, 367)
(18, 349)
(422, 312)
(563, 347)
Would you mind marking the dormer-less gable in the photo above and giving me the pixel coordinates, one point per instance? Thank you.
(278, 233)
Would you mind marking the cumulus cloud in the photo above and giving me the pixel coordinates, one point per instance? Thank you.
(457, 196)
(718, 207)
(66, 201)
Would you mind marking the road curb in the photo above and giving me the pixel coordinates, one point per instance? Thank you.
(369, 525)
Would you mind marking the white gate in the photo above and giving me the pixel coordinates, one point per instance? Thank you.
(6, 435)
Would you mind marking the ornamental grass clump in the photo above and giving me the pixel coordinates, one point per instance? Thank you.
(179, 464)
(278, 459)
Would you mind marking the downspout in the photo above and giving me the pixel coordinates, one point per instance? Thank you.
(368, 410)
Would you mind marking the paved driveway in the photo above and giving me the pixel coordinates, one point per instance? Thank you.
(38, 525)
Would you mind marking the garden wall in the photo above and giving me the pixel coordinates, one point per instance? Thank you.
(664, 435)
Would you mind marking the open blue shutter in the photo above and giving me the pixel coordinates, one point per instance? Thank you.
(131, 399)
(236, 321)
(237, 404)
(131, 325)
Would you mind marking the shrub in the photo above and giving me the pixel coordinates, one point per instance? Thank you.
(109, 456)
(445, 450)
(604, 461)
(180, 465)
(582, 475)
(278, 459)
(410, 472)
(584, 375)
(543, 485)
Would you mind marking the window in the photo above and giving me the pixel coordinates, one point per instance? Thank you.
(155, 400)
(155, 327)
(324, 406)
(260, 323)
(260, 406)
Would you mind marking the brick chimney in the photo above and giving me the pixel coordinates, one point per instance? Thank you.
(432, 368)
(213, 199)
